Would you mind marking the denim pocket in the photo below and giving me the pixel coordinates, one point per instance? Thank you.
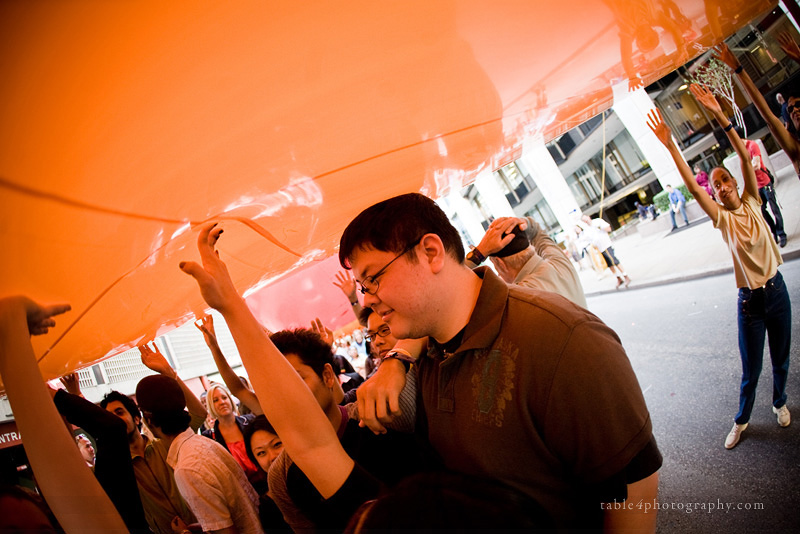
(753, 304)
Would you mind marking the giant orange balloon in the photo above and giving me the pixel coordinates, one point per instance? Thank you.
(124, 124)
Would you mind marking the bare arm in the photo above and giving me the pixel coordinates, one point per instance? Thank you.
(346, 282)
(637, 516)
(289, 405)
(71, 490)
(664, 134)
(153, 359)
(782, 135)
(379, 397)
(705, 97)
(231, 379)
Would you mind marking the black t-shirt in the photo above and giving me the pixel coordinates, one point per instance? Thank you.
(381, 460)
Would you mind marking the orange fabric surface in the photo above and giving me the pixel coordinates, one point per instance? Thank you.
(123, 124)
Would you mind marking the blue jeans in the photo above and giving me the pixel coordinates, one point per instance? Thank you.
(683, 212)
(764, 311)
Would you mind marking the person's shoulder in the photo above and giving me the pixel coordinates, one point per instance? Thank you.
(246, 419)
(155, 446)
(752, 202)
(530, 304)
(280, 465)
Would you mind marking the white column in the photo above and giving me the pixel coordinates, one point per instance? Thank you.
(454, 203)
(543, 169)
(493, 195)
(632, 109)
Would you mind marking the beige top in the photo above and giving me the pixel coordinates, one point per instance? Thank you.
(755, 254)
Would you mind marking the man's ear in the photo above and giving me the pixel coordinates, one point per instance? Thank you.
(328, 376)
(434, 251)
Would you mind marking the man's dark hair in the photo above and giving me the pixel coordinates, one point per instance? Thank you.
(363, 316)
(306, 345)
(394, 224)
(171, 423)
(126, 401)
(259, 423)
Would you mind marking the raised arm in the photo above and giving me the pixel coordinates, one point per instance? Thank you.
(346, 282)
(705, 97)
(113, 468)
(379, 397)
(498, 235)
(664, 134)
(782, 135)
(206, 325)
(154, 360)
(307, 435)
(71, 490)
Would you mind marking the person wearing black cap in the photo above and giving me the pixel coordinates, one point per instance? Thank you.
(529, 259)
(209, 479)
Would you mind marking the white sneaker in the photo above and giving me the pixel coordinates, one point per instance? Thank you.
(784, 418)
(734, 435)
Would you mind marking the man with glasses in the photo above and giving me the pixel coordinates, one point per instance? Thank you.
(519, 385)
(383, 344)
(379, 334)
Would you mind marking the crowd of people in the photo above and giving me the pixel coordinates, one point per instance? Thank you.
(468, 398)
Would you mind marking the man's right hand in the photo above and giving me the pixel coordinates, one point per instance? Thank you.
(499, 234)
(216, 286)
(379, 397)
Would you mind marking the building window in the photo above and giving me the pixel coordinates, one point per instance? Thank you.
(512, 182)
(566, 144)
(591, 125)
(543, 215)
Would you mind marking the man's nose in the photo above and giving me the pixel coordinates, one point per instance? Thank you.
(370, 300)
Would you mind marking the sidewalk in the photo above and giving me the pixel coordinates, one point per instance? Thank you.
(696, 251)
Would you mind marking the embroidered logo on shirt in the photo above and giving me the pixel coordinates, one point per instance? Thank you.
(492, 383)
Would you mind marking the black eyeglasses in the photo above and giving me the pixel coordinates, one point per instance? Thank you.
(792, 107)
(369, 285)
(383, 331)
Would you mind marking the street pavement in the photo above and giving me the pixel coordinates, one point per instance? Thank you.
(694, 252)
(682, 342)
(677, 322)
